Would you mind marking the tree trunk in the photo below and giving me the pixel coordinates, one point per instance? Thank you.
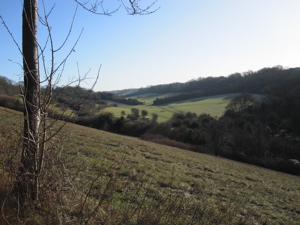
(28, 174)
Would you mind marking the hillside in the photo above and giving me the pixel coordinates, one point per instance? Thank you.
(169, 98)
(248, 191)
(264, 81)
(262, 131)
(81, 101)
(156, 184)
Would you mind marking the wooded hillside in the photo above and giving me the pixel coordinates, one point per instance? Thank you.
(264, 81)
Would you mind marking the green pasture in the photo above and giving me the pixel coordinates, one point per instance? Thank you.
(213, 105)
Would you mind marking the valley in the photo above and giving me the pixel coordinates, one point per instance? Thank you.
(213, 105)
(99, 168)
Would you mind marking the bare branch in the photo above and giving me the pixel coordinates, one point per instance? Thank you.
(93, 7)
(69, 33)
(135, 8)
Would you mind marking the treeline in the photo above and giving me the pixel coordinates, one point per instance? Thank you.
(8, 92)
(260, 82)
(82, 101)
(8, 87)
(82, 93)
(85, 102)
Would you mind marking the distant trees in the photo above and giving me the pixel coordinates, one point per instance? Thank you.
(9, 94)
(7, 87)
(154, 117)
(241, 102)
(261, 134)
(144, 113)
(264, 81)
(11, 102)
(218, 135)
(82, 93)
(135, 113)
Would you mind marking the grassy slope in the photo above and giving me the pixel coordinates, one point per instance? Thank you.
(213, 105)
(226, 186)
(251, 191)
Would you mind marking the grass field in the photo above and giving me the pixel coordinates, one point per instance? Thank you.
(213, 105)
(248, 191)
(177, 185)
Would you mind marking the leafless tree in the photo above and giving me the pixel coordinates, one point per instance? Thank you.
(35, 113)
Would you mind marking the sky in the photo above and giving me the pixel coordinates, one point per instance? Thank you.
(181, 41)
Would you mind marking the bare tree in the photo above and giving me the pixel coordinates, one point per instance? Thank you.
(27, 185)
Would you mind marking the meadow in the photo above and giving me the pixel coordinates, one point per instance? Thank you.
(230, 192)
(115, 179)
(213, 105)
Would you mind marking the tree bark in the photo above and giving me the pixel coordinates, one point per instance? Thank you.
(28, 174)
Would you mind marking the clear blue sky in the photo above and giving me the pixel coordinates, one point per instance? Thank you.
(183, 40)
